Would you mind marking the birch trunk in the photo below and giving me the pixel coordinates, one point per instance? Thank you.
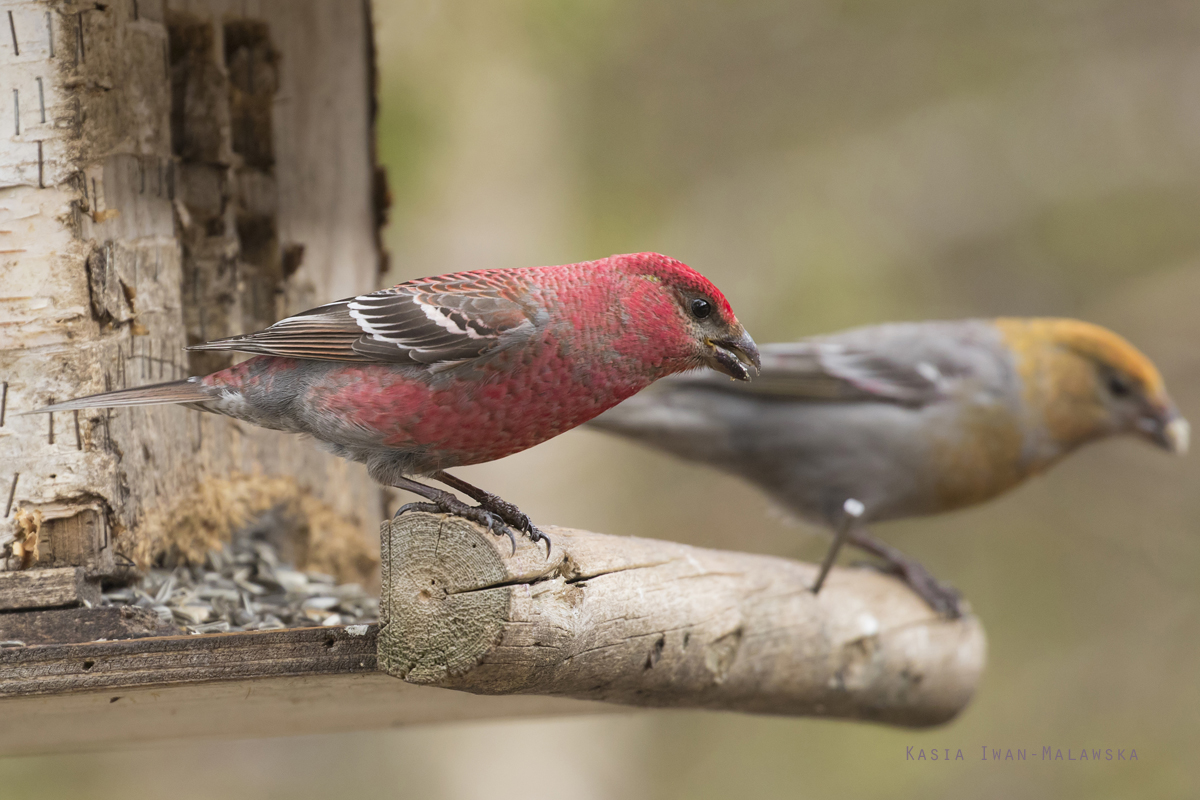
(169, 173)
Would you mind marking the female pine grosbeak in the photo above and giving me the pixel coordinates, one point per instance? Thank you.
(908, 419)
(460, 369)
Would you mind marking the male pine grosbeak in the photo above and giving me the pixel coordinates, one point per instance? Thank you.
(908, 419)
(464, 368)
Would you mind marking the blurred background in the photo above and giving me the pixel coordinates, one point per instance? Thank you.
(826, 163)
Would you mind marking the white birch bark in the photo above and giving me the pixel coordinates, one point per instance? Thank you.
(118, 244)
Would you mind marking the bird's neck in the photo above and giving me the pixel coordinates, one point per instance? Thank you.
(1058, 394)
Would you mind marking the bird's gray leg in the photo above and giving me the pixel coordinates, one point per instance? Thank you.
(442, 502)
(941, 598)
(503, 509)
(852, 511)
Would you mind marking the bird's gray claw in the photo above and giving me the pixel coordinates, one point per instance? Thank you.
(414, 507)
(512, 518)
(511, 537)
(536, 535)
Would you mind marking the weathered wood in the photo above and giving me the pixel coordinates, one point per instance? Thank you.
(106, 695)
(275, 706)
(45, 588)
(170, 171)
(82, 538)
(623, 620)
(65, 625)
(176, 660)
(653, 623)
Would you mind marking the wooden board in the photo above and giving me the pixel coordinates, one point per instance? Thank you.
(104, 695)
(81, 624)
(45, 588)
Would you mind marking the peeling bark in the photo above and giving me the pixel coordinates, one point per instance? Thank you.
(167, 172)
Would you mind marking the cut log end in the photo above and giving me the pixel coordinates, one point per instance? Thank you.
(652, 623)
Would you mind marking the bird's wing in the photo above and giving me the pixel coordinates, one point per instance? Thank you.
(431, 321)
(903, 364)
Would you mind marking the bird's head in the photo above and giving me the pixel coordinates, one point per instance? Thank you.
(1088, 383)
(691, 311)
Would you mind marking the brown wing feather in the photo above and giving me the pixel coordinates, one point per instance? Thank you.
(430, 321)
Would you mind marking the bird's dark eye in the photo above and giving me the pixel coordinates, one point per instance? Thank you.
(1119, 387)
(701, 308)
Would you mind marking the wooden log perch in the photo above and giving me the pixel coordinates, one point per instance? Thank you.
(652, 623)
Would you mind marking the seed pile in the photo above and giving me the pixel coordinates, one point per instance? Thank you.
(246, 587)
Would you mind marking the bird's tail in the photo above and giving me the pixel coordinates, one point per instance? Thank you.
(185, 391)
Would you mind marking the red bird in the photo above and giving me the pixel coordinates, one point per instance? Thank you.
(465, 368)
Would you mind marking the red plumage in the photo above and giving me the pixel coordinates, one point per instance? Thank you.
(469, 367)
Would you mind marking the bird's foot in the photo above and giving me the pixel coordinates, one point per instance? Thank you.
(498, 523)
(503, 509)
(941, 597)
(452, 505)
(514, 517)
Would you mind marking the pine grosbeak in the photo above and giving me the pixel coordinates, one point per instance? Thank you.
(908, 419)
(460, 369)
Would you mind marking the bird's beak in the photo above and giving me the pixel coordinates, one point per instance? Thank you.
(734, 357)
(1167, 429)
